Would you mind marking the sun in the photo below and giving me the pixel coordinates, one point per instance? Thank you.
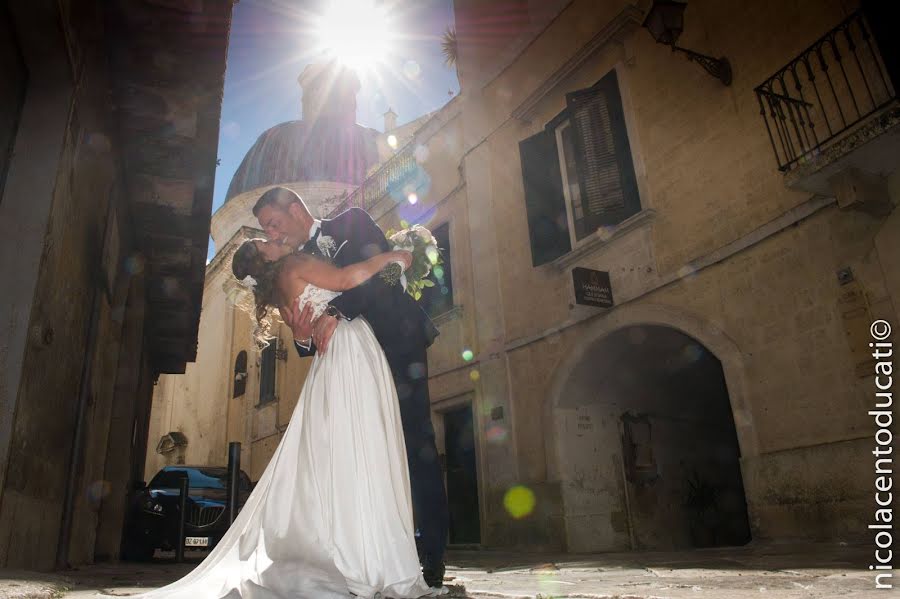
(356, 32)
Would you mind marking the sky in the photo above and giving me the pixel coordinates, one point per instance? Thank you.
(273, 40)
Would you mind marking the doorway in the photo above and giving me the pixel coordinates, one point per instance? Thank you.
(462, 476)
(649, 448)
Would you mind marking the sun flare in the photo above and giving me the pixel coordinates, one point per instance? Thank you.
(356, 32)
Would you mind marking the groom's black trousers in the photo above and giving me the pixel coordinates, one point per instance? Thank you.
(410, 370)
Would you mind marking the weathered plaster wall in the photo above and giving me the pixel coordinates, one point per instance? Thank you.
(706, 173)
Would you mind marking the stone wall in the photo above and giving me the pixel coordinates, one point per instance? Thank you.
(77, 376)
(68, 304)
(723, 251)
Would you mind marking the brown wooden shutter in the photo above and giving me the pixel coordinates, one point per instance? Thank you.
(545, 202)
(609, 192)
(267, 373)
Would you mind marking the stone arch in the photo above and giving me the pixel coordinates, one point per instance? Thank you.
(647, 428)
(704, 332)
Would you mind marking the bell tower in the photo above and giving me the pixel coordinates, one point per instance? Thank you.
(329, 93)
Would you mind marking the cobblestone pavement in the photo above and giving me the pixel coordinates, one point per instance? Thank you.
(786, 571)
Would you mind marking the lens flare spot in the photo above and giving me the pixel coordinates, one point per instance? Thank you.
(637, 335)
(444, 290)
(170, 286)
(519, 502)
(416, 370)
(687, 271)
(412, 198)
(439, 272)
(421, 154)
(97, 491)
(605, 233)
(231, 130)
(496, 434)
(692, 352)
(134, 264)
(474, 375)
(98, 142)
(467, 355)
(392, 141)
(412, 70)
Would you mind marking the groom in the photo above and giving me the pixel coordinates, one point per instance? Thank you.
(401, 327)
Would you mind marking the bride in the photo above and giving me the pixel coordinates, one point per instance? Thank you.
(331, 515)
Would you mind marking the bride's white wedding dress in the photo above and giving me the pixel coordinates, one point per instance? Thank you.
(331, 515)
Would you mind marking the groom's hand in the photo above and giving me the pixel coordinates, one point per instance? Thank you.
(323, 329)
(299, 321)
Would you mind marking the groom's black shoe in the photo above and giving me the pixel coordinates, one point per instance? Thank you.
(433, 574)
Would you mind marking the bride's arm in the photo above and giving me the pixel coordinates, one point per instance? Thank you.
(327, 276)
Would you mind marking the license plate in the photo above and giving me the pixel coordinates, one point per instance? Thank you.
(196, 541)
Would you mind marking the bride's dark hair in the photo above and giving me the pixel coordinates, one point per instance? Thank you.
(249, 262)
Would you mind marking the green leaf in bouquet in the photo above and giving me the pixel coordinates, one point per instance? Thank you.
(427, 283)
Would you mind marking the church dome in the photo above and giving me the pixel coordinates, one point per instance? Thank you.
(327, 145)
(323, 157)
(297, 151)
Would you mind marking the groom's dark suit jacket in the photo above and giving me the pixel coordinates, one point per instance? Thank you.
(400, 324)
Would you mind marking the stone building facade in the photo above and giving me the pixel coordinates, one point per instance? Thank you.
(108, 139)
(724, 396)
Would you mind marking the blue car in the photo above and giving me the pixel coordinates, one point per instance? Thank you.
(155, 510)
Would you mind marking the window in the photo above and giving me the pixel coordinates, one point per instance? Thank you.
(198, 478)
(578, 173)
(267, 374)
(12, 92)
(240, 375)
(438, 300)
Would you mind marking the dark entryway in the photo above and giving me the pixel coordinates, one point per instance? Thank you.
(652, 459)
(462, 476)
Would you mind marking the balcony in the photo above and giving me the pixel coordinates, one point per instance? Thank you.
(832, 114)
(398, 177)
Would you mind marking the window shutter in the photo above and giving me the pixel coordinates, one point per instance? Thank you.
(267, 374)
(545, 203)
(605, 171)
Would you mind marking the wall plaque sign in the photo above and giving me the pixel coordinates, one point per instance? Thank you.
(592, 287)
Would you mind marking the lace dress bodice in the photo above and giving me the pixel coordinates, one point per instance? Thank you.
(317, 297)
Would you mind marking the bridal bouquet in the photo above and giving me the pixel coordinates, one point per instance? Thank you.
(426, 255)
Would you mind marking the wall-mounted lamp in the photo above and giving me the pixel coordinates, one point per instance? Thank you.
(665, 22)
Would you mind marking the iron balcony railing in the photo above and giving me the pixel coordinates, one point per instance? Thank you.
(828, 89)
(391, 178)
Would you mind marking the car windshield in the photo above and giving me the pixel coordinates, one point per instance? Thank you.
(198, 478)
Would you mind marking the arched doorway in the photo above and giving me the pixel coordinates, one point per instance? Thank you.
(648, 453)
